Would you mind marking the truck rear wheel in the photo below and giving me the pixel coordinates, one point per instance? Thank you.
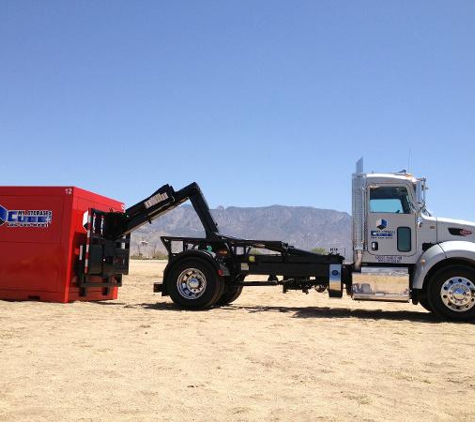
(451, 293)
(231, 293)
(194, 284)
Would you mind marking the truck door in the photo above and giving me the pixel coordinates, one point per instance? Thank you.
(391, 223)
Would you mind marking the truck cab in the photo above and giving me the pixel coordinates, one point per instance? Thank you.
(429, 260)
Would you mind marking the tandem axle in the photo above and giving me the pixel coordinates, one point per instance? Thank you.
(236, 259)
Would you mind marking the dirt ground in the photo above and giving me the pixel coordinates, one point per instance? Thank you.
(268, 357)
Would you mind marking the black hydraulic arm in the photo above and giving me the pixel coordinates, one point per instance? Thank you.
(160, 202)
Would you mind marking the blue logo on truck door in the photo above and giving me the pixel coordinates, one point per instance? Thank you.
(381, 233)
(25, 218)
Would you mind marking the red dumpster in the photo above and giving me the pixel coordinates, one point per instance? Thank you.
(42, 230)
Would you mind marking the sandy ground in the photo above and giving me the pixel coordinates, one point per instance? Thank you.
(269, 356)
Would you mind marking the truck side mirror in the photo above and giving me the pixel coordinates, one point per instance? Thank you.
(420, 193)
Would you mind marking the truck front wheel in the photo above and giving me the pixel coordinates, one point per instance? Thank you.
(194, 284)
(451, 293)
(424, 302)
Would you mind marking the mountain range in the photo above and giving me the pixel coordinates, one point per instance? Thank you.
(302, 227)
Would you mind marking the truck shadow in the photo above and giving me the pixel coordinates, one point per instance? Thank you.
(315, 312)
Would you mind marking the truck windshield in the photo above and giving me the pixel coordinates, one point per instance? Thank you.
(389, 199)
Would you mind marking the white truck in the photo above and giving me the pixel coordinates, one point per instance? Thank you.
(393, 230)
(400, 252)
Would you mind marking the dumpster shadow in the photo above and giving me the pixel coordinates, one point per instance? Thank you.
(159, 306)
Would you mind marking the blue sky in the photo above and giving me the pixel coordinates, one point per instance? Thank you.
(259, 102)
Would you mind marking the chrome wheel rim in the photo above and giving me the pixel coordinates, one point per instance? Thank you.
(191, 283)
(458, 294)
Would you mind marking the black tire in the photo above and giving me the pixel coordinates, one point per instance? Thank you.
(194, 284)
(451, 293)
(424, 302)
(231, 293)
